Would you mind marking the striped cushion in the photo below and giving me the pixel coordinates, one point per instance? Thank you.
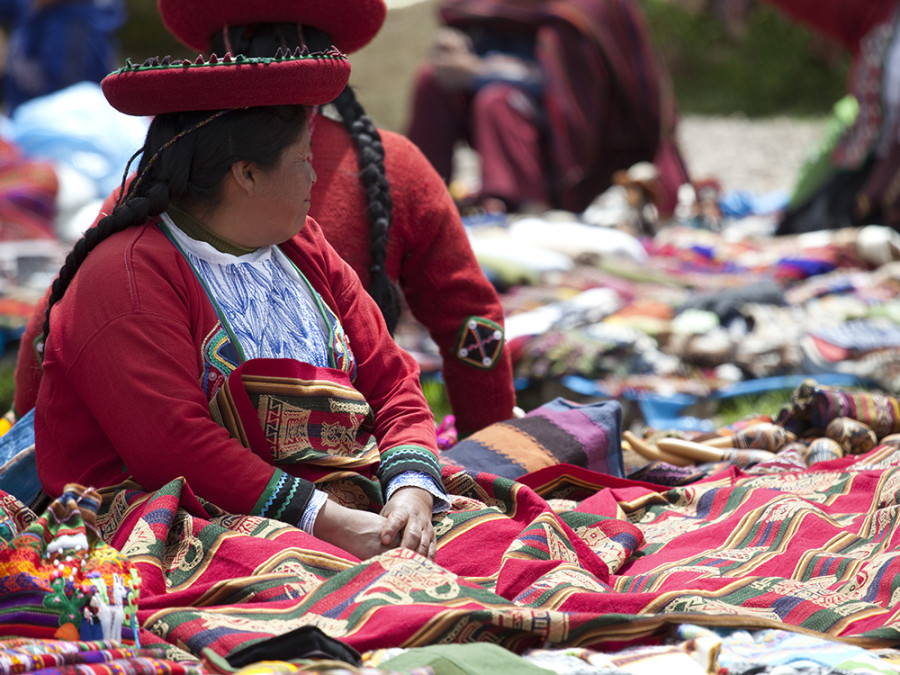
(557, 432)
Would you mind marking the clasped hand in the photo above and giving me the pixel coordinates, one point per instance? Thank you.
(404, 521)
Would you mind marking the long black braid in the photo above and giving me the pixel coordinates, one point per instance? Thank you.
(264, 39)
(184, 160)
(378, 199)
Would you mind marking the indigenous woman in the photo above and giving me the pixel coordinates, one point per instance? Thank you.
(378, 200)
(208, 276)
(262, 447)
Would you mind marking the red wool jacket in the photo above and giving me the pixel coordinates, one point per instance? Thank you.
(121, 393)
(428, 253)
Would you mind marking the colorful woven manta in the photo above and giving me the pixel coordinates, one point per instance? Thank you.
(561, 557)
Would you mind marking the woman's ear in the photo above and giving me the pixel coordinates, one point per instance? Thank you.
(244, 177)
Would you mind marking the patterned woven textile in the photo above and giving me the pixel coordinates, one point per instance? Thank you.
(61, 657)
(28, 190)
(306, 420)
(558, 432)
(564, 557)
(561, 557)
(215, 580)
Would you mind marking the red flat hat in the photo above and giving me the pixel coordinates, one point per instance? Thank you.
(162, 86)
(351, 24)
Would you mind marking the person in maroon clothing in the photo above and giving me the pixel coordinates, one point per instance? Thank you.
(859, 183)
(378, 200)
(555, 97)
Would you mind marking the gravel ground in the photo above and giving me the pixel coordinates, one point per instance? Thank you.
(759, 155)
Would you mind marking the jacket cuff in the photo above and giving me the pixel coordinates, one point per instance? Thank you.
(284, 498)
(404, 458)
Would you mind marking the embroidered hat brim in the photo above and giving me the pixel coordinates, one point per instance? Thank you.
(351, 24)
(156, 87)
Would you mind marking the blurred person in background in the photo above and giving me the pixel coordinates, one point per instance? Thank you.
(853, 178)
(56, 43)
(554, 97)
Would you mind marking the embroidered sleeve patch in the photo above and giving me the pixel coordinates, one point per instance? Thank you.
(480, 342)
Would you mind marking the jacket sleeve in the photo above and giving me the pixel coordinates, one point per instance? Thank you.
(845, 22)
(448, 293)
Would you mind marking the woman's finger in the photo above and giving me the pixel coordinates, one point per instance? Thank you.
(427, 545)
(393, 526)
(412, 536)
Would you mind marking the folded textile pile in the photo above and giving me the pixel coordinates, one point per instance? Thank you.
(19, 656)
(557, 432)
(691, 310)
(28, 189)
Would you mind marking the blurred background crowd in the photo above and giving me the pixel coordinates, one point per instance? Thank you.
(746, 59)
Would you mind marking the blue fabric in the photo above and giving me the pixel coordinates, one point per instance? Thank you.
(78, 128)
(258, 319)
(743, 203)
(11, 11)
(60, 45)
(18, 468)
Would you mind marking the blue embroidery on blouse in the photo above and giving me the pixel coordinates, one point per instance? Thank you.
(222, 349)
(259, 319)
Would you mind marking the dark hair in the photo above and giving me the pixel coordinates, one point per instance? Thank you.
(184, 160)
(263, 40)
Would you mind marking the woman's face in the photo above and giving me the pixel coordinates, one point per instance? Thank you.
(285, 191)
